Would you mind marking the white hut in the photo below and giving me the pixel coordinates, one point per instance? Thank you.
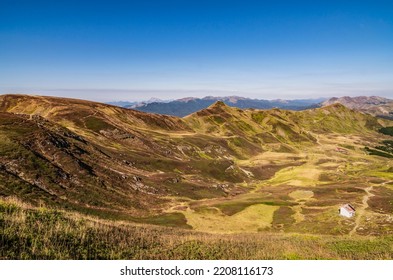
(347, 210)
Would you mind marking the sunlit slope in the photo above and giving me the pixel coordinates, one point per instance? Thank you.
(282, 130)
(221, 119)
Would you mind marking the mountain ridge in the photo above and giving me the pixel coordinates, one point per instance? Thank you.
(186, 106)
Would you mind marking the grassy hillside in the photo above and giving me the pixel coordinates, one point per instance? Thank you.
(43, 162)
(41, 233)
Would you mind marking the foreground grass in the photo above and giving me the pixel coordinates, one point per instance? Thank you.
(39, 233)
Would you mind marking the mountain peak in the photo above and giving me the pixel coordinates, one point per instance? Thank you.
(218, 104)
(335, 105)
(217, 108)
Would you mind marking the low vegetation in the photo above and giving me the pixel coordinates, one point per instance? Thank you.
(384, 149)
(40, 233)
(387, 130)
(378, 152)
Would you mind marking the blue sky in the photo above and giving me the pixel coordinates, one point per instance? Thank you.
(134, 50)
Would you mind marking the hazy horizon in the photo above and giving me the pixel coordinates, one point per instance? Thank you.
(92, 96)
(127, 50)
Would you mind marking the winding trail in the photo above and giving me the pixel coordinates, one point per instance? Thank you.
(360, 211)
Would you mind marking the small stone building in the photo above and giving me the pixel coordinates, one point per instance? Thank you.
(347, 210)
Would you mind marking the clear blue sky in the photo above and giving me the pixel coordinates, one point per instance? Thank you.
(134, 50)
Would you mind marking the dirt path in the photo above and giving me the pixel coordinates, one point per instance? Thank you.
(388, 182)
(360, 211)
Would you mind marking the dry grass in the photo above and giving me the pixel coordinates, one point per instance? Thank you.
(252, 219)
(301, 195)
(40, 233)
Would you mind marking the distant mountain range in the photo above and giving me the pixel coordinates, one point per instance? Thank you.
(373, 105)
(186, 106)
(135, 104)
